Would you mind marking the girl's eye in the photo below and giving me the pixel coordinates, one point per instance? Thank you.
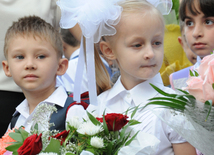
(137, 45)
(41, 57)
(157, 43)
(19, 57)
(209, 22)
(189, 23)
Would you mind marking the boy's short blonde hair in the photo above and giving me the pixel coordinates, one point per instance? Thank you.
(36, 27)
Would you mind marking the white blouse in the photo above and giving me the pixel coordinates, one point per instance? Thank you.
(118, 100)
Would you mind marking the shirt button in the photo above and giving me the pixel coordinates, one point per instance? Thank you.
(128, 95)
(28, 123)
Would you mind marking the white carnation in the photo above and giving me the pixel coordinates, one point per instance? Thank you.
(97, 142)
(88, 128)
(74, 122)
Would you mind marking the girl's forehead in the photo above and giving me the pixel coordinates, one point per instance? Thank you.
(194, 8)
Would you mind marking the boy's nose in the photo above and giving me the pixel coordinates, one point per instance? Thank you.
(198, 31)
(30, 65)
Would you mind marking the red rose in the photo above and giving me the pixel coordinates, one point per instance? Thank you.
(31, 146)
(62, 136)
(114, 121)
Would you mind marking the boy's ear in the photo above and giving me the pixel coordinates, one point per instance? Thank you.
(107, 51)
(63, 66)
(6, 68)
(180, 40)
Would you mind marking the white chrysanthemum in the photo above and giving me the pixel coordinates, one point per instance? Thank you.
(88, 128)
(50, 153)
(97, 142)
(74, 122)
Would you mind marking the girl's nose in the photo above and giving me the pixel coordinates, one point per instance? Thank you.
(198, 31)
(149, 53)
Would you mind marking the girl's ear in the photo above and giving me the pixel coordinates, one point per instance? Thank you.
(180, 40)
(63, 66)
(107, 50)
(6, 68)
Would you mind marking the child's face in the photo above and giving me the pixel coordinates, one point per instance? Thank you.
(190, 55)
(199, 32)
(139, 48)
(33, 64)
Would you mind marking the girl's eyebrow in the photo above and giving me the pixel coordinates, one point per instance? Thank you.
(187, 17)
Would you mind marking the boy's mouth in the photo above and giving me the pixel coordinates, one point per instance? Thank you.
(30, 76)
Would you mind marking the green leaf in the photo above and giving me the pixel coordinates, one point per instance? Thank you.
(171, 100)
(162, 92)
(93, 119)
(122, 132)
(133, 122)
(24, 133)
(36, 127)
(109, 147)
(196, 73)
(90, 150)
(134, 112)
(17, 137)
(209, 102)
(105, 127)
(129, 141)
(69, 153)
(54, 146)
(167, 104)
(13, 148)
(191, 73)
(213, 85)
(183, 91)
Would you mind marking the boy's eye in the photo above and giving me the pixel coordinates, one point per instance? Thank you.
(41, 57)
(209, 22)
(20, 57)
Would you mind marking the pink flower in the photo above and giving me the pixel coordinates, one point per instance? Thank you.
(201, 87)
(195, 87)
(206, 68)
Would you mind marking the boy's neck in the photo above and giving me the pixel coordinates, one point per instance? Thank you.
(34, 98)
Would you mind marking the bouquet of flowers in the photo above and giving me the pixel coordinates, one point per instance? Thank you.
(196, 106)
(107, 135)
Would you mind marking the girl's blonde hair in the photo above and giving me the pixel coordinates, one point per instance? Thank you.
(129, 6)
(102, 77)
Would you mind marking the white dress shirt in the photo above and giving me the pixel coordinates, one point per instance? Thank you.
(118, 100)
(58, 97)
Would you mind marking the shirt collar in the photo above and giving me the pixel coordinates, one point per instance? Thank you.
(144, 91)
(116, 89)
(58, 97)
(75, 54)
(139, 93)
(196, 65)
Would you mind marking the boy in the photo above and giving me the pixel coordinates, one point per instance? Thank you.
(33, 52)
